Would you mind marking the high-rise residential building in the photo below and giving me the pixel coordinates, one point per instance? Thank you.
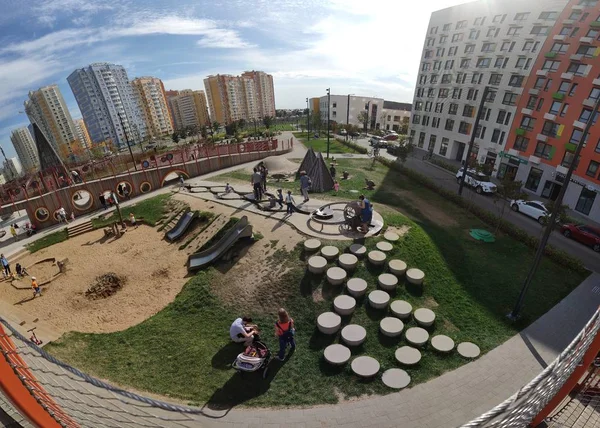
(26, 150)
(153, 102)
(46, 107)
(12, 168)
(488, 43)
(556, 105)
(259, 91)
(188, 108)
(108, 103)
(82, 134)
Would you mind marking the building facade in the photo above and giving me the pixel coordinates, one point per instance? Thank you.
(83, 134)
(153, 102)
(260, 92)
(556, 105)
(394, 116)
(188, 108)
(46, 107)
(108, 103)
(469, 47)
(24, 145)
(12, 169)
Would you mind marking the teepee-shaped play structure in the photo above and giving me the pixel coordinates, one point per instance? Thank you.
(316, 168)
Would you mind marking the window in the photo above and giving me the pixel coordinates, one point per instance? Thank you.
(443, 93)
(573, 89)
(421, 140)
(575, 15)
(433, 79)
(469, 48)
(592, 169)
(564, 110)
(472, 94)
(498, 19)
(461, 77)
(563, 88)
(559, 47)
(479, 21)
(548, 16)
(528, 123)
(457, 37)
(534, 178)
(443, 39)
(513, 31)
(483, 62)
(474, 34)
(422, 79)
(464, 63)
(495, 136)
(452, 51)
(594, 94)
(597, 150)
(443, 147)
(539, 30)
(449, 125)
(586, 50)
(416, 119)
(488, 47)
(430, 41)
(464, 128)
(492, 32)
(425, 121)
(476, 78)
(456, 93)
(334, 105)
(419, 106)
(509, 99)
(480, 131)
(521, 16)
(503, 117)
(430, 93)
(542, 150)
(577, 68)
(446, 27)
(425, 66)
(576, 136)
(588, 2)
(531, 102)
(565, 31)
(446, 78)
(453, 109)
(550, 128)
(428, 105)
(586, 114)
(523, 62)
(449, 64)
(555, 107)
(539, 83)
(593, 33)
(433, 30)
(439, 107)
(495, 79)
(521, 143)
(507, 46)
(569, 158)
(585, 201)
(461, 24)
(551, 65)
(501, 62)
(539, 104)
(531, 46)
(516, 81)
(485, 113)
(440, 51)
(437, 65)
(435, 123)
(468, 111)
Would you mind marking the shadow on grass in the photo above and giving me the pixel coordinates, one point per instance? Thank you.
(309, 283)
(225, 356)
(319, 340)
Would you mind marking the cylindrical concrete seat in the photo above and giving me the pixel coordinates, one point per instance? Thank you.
(397, 267)
(468, 350)
(395, 378)
(391, 236)
(407, 355)
(401, 309)
(329, 322)
(312, 245)
(379, 299)
(442, 343)
(337, 354)
(317, 264)
(415, 276)
(344, 305)
(391, 326)
(357, 287)
(377, 258)
(424, 317)
(387, 281)
(354, 334)
(336, 275)
(384, 246)
(417, 336)
(330, 252)
(358, 250)
(348, 261)
(365, 366)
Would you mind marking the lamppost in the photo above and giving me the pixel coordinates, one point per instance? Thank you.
(127, 140)
(367, 118)
(348, 117)
(307, 119)
(328, 105)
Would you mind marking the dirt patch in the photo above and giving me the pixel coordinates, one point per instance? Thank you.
(430, 302)
(429, 211)
(317, 295)
(105, 286)
(400, 231)
(451, 328)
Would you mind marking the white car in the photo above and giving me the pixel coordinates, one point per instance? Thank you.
(534, 209)
(479, 181)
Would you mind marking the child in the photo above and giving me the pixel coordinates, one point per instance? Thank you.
(285, 331)
(132, 220)
(280, 198)
(13, 232)
(37, 291)
(289, 201)
(72, 215)
(336, 186)
(228, 188)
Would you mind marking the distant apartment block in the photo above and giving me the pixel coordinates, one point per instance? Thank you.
(82, 134)
(12, 169)
(188, 108)
(26, 150)
(153, 102)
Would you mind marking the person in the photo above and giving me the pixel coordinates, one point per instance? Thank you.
(62, 213)
(336, 186)
(72, 215)
(243, 331)
(181, 181)
(256, 184)
(289, 202)
(37, 291)
(21, 271)
(13, 232)
(228, 188)
(366, 212)
(102, 200)
(75, 176)
(285, 331)
(132, 220)
(272, 201)
(304, 185)
(280, 198)
(264, 173)
(5, 265)
(332, 170)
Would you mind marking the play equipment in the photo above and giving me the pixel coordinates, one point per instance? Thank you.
(315, 167)
(182, 226)
(240, 230)
(482, 235)
(33, 338)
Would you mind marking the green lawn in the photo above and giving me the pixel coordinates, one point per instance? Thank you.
(48, 240)
(320, 144)
(150, 210)
(184, 351)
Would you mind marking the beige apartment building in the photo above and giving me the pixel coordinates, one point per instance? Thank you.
(26, 149)
(83, 134)
(188, 108)
(153, 103)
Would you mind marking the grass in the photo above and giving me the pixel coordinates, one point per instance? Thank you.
(149, 210)
(320, 144)
(226, 228)
(204, 219)
(48, 240)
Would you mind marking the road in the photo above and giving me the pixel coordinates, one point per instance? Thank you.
(447, 180)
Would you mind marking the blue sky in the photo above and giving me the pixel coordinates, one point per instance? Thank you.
(365, 47)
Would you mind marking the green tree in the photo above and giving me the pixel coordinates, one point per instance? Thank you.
(561, 214)
(231, 129)
(175, 137)
(203, 132)
(242, 124)
(507, 191)
(268, 121)
(362, 118)
(404, 149)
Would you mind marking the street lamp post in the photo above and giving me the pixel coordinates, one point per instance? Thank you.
(367, 118)
(348, 117)
(328, 105)
(307, 119)
(127, 140)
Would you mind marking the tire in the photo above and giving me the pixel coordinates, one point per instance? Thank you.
(458, 180)
(567, 233)
(515, 208)
(596, 248)
(479, 190)
(265, 372)
(542, 220)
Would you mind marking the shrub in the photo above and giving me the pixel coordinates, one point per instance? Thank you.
(445, 165)
(353, 146)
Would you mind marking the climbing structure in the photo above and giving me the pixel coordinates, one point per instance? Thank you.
(316, 168)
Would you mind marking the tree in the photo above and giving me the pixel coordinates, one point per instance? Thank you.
(231, 129)
(507, 191)
(242, 124)
(362, 118)
(404, 149)
(203, 132)
(561, 212)
(403, 129)
(175, 137)
(268, 121)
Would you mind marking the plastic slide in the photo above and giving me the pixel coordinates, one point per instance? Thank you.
(240, 230)
(182, 226)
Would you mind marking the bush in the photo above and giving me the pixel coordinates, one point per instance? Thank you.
(445, 165)
(353, 146)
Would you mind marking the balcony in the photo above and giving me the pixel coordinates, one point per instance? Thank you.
(595, 24)
(571, 147)
(534, 92)
(567, 76)
(559, 96)
(550, 55)
(578, 124)
(576, 57)
(526, 111)
(561, 169)
(559, 37)
(542, 137)
(587, 40)
(550, 116)
(534, 159)
(520, 132)
(568, 22)
(596, 81)
(589, 102)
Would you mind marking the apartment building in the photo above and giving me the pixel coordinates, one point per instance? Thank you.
(556, 105)
(188, 108)
(260, 91)
(26, 150)
(82, 134)
(108, 103)
(394, 115)
(153, 103)
(46, 107)
(469, 47)
(12, 169)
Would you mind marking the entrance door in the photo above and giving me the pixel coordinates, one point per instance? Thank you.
(461, 151)
(551, 190)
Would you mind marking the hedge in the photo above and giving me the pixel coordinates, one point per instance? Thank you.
(353, 146)
(558, 256)
(445, 165)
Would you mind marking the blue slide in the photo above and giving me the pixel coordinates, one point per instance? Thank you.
(182, 226)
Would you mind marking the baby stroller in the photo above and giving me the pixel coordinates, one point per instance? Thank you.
(256, 357)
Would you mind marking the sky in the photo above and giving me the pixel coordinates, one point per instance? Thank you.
(363, 47)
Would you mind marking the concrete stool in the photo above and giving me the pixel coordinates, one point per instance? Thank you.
(336, 275)
(468, 350)
(377, 258)
(365, 366)
(387, 281)
(397, 267)
(415, 276)
(348, 261)
(401, 309)
(379, 299)
(330, 252)
(408, 356)
(391, 236)
(312, 245)
(317, 264)
(329, 322)
(344, 305)
(417, 336)
(391, 327)
(358, 250)
(424, 317)
(337, 354)
(357, 287)
(354, 334)
(442, 343)
(384, 246)
(395, 378)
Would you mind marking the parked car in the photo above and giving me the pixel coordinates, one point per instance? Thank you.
(355, 134)
(343, 132)
(534, 209)
(392, 136)
(378, 142)
(479, 181)
(587, 235)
